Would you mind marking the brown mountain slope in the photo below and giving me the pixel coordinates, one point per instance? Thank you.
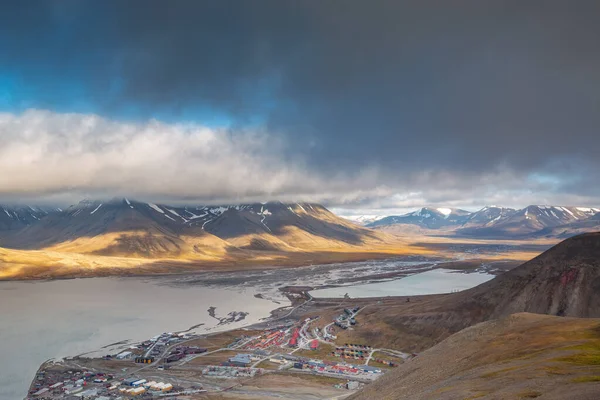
(92, 219)
(162, 238)
(572, 229)
(299, 225)
(517, 357)
(129, 228)
(565, 280)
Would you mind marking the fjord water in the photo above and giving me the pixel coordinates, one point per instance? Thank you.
(429, 282)
(53, 319)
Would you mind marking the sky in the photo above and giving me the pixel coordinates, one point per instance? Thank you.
(367, 107)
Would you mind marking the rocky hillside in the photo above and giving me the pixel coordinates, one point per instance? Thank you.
(574, 228)
(13, 218)
(486, 348)
(563, 281)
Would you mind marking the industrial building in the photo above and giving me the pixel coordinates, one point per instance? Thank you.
(240, 360)
(129, 381)
(124, 355)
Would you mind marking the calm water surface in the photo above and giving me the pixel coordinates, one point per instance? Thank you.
(42, 320)
(430, 282)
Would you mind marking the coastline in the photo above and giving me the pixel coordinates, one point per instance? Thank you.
(275, 315)
(301, 303)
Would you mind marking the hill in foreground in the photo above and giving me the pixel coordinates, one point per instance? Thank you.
(480, 344)
(521, 356)
(563, 281)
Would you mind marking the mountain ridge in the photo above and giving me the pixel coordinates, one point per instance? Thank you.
(91, 218)
(496, 222)
(123, 233)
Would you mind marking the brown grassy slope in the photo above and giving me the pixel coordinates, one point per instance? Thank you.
(564, 280)
(520, 356)
(44, 264)
(124, 229)
(121, 238)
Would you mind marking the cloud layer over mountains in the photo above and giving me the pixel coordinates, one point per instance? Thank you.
(362, 105)
(63, 157)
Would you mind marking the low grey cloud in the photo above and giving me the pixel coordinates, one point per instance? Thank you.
(55, 157)
(361, 105)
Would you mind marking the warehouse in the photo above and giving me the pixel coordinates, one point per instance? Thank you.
(124, 355)
(139, 382)
(137, 391)
(240, 360)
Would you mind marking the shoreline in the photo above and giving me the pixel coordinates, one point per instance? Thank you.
(303, 308)
(242, 266)
(275, 315)
(301, 304)
(440, 262)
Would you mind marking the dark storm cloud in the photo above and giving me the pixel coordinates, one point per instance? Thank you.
(429, 93)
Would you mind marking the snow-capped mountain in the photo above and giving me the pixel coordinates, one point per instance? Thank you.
(529, 220)
(144, 229)
(495, 221)
(591, 224)
(426, 217)
(17, 217)
(488, 215)
(160, 227)
(546, 216)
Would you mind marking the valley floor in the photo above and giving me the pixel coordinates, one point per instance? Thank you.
(51, 264)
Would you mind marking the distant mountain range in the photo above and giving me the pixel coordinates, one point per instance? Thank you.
(498, 222)
(124, 236)
(106, 234)
(247, 225)
(431, 218)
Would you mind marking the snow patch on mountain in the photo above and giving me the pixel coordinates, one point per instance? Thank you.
(156, 208)
(445, 211)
